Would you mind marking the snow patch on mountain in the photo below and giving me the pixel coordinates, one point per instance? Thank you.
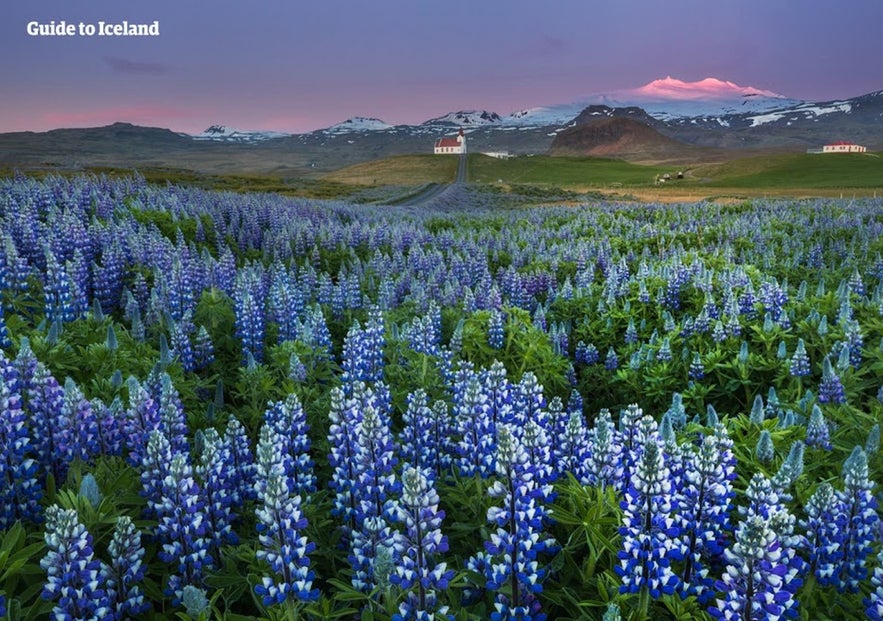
(222, 133)
(358, 124)
(467, 119)
(807, 110)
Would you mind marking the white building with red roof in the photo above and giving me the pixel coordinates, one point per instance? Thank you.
(843, 147)
(455, 145)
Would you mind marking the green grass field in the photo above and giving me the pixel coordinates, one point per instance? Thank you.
(563, 172)
(803, 171)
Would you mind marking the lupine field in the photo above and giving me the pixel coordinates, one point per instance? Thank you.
(225, 406)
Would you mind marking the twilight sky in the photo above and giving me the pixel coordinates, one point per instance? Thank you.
(298, 65)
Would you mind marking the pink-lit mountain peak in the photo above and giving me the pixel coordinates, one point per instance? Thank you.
(709, 88)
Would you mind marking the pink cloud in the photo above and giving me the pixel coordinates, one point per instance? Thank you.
(709, 88)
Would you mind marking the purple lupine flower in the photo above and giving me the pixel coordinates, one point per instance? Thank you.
(861, 521)
(288, 419)
(216, 480)
(512, 568)
(141, 417)
(181, 530)
(704, 502)
(830, 389)
(20, 490)
(127, 569)
(757, 584)
(651, 537)
(417, 571)
(824, 527)
(241, 462)
(283, 546)
(76, 580)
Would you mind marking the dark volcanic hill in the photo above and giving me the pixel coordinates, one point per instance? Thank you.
(622, 137)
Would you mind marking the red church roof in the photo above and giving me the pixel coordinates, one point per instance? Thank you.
(840, 142)
(447, 142)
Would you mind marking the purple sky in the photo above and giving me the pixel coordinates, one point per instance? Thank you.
(295, 66)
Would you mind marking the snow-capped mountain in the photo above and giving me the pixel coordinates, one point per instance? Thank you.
(467, 119)
(357, 124)
(665, 99)
(222, 133)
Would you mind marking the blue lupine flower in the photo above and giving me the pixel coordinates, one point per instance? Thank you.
(697, 368)
(172, 419)
(799, 361)
(203, 349)
(83, 435)
(250, 317)
(817, 431)
(216, 481)
(513, 569)
(20, 490)
(605, 460)
(241, 462)
(874, 602)
(127, 569)
(704, 502)
(425, 440)
(475, 449)
(141, 417)
(154, 469)
(181, 530)
(5, 341)
(344, 416)
(757, 583)
(824, 527)
(417, 571)
(571, 453)
(650, 534)
(376, 493)
(75, 579)
(297, 371)
(611, 362)
(289, 421)
(283, 546)
(861, 521)
(181, 345)
(830, 390)
(495, 329)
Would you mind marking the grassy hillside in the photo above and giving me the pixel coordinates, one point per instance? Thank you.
(399, 170)
(563, 172)
(807, 171)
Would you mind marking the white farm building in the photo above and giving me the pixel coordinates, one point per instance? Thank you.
(843, 147)
(451, 145)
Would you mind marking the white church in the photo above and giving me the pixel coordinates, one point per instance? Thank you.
(451, 145)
